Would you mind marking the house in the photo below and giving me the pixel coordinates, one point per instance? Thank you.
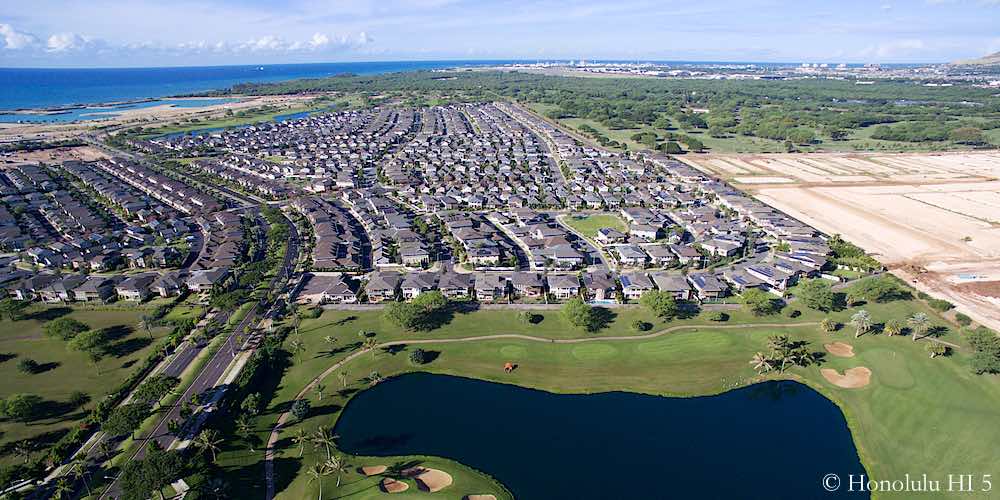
(203, 280)
(28, 288)
(607, 236)
(636, 284)
(707, 286)
(382, 285)
(95, 289)
(564, 286)
(414, 284)
(687, 255)
(722, 248)
(413, 255)
(455, 285)
(660, 255)
(775, 278)
(645, 231)
(136, 288)
(327, 289)
(530, 285)
(563, 256)
(674, 284)
(600, 286)
(61, 290)
(168, 284)
(490, 287)
(631, 255)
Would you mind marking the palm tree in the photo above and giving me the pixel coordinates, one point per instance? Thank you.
(208, 440)
(369, 345)
(319, 388)
(297, 347)
(862, 322)
(78, 471)
(375, 377)
(296, 317)
(316, 473)
(24, 449)
(323, 438)
(343, 378)
(63, 489)
(827, 325)
(146, 323)
(301, 438)
(105, 447)
(337, 465)
(761, 363)
(919, 323)
(244, 429)
(893, 327)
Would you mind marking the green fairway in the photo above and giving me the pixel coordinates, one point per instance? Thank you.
(918, 413)
(63, 371)
(588, 225)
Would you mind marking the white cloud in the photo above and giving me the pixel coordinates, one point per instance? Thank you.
(66, 42)
(14, 39)
(894, 48)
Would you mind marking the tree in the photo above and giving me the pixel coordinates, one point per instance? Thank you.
(342, 375)
(935, 349)
(337, 465)
(762, 363)
(251, 404)
(817, 294)
(579, 314)
(296, 346)
(77, 470)
(876, 289)
(369, 344)
(152, 474)
(28, 366)
(64, 328)
(862, 322)
(244, 429)
(301, 438)
(758, 302)
(316, 473)
(319, 388)
(214, 488)
(24, 448)
(12, 308)
(93, 343)
(300, 409)
(893, 327)
(322, 438)
(526, 317)
(125, 419)
(672, 148)
(208, 441)
(662, 304)
(63, 489)
(828, 325)
(971, 136)
(919, 324)
(21, 407)
(418, 356)
(155, 388)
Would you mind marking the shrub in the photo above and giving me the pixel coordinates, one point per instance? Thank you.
(940, 305)
(64, 328)
(794, 313)
(923, 296)
(78, 398)
(300, 409)
(526, 317)
(640, 325)
(28, 366)
(963, 319)
(718, 316)
(418, 356)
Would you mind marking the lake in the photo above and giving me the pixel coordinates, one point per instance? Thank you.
(771, 440)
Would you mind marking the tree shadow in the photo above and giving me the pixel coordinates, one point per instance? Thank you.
(49, 313)
(57, 411)
(687, 309)
(601, 317)
(286, 469)
(44, 367)
(394, 349)
(7, 356)
(430, 356)
(128, 346)
(935, 332)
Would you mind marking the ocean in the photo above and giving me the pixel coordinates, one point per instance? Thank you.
(34, 88)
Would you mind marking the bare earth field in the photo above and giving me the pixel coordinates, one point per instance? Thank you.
(933, 219)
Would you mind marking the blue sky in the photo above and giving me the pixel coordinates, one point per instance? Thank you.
(195, 32)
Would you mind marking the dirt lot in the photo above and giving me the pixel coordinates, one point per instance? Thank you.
(933, 219)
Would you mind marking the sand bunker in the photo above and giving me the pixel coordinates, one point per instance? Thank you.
(853, 378)
(390, 485)
(373, 470)
(840, 349)
(431, 480)
(479, 497)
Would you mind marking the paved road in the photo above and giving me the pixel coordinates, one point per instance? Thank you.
(215, 368)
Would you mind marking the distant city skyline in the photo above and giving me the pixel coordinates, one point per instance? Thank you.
(106, 33)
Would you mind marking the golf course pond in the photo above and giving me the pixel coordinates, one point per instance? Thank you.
(771, 440)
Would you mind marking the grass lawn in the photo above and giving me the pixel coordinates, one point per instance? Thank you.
(66, 371)
(918, 413)
(589, 224)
